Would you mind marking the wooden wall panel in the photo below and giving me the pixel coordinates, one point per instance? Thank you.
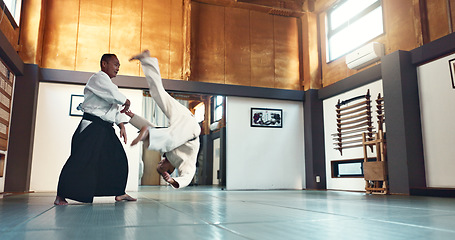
(93, 37)
(323, 5)
(31, 31)
(262, 50)
(287, 73)
(156, 24)
(177, 38)
(238, 53)
(74, 34)
(193, 71)
(311, 65)
(125, 40)
(77, 32)
(438, 24)
(452, 14)
(60, 34)
(11, 33)
(209, 49)
(399, 17)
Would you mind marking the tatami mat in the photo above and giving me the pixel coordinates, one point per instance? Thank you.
(211, 213)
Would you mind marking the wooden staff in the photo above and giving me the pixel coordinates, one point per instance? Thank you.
(352, 146)
(353, 111)
(339, 138)
(368, 123)
(354, 121)
(367, 112)
(370, 136)
(369, 129)
(348, 142)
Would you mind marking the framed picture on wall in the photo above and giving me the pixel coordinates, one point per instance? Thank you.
(452, 71)
(266, 117)
(75, 109)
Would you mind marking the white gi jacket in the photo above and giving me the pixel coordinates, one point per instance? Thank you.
(180, 141)
(102, 99)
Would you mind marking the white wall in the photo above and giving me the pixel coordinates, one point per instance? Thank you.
(264, 158)
(329, 105)
(54, 129)
(2, 179)
(216, 161)
(437, 109)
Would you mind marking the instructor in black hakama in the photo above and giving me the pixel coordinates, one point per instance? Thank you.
(98, 165)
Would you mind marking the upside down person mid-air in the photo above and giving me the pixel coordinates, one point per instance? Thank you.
(179, 143)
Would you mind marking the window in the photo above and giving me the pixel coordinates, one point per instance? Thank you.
(352, 23)
(14, 8)
(199, 112)
(350, 168)
(347, 168)
(218, 107)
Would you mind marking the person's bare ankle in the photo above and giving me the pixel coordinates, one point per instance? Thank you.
(60, 201)
(124, 197)
(143, 54)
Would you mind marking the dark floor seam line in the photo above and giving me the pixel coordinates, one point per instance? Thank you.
(29, 219)
(404, 207)
(334, 214)
(362, 218)
(300, 209)
(379, 205)
(229, 230)
(413, 225)
(208, 223)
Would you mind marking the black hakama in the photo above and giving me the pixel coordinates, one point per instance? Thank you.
(97, 166)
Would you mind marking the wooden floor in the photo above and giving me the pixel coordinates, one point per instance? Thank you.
(211, 213)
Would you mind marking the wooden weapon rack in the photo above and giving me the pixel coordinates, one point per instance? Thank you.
(353, 120)
(375, 172)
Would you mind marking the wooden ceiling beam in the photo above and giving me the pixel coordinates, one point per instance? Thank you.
(256, 7)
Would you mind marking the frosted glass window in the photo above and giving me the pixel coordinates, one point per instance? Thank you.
(350, 169)
(351, 24)
(343, 12)
(199, 112)
(218, 108)
(14, 7)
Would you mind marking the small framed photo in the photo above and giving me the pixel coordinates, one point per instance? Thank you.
(452, 71)
(75, 108)
(266, 117)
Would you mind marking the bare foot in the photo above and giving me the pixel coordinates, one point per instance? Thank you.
(60, 201)
(143, 134)
(125, 197)
(144, 54)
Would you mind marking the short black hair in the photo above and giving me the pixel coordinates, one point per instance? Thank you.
(106, 57)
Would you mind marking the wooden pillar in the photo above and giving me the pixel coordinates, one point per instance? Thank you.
(310, 51)
(186, 72)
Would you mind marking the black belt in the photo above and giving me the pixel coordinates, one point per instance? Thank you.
(95, 119)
